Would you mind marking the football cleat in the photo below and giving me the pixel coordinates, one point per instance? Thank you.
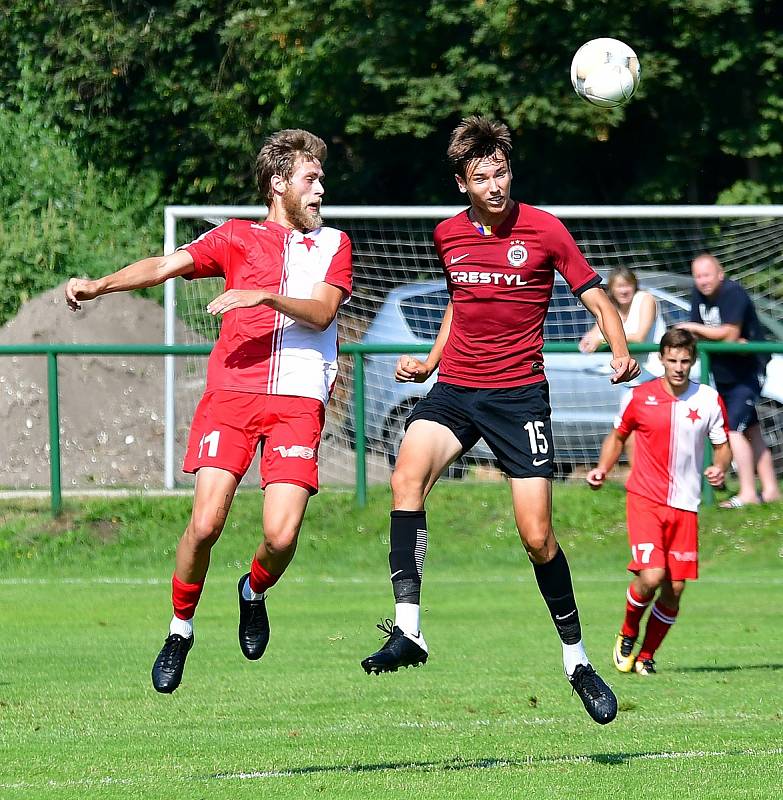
(645, 666)
(253, 624)
(170, 663)
(598, 699)
(400, 650)
(622, 656)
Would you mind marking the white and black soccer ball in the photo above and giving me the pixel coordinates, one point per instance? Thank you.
(605, 72)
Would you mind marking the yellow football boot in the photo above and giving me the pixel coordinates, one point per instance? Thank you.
(622, 657)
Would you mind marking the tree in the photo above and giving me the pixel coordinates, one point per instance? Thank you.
(187, 89)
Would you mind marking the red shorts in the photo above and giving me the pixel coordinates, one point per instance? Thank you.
(228, 427)
(662, 537)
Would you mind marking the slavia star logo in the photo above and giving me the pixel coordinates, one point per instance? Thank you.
(307, 242)
(517, 253)
(693, 414)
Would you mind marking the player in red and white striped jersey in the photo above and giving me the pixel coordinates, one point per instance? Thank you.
(269, 377)
(499, 257)
(673, 418)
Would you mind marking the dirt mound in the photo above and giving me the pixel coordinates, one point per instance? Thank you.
(111, 407)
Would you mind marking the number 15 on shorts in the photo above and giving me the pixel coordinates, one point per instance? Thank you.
(539, 442)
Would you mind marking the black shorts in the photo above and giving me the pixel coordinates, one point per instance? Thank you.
(740, 400)
(514, 422)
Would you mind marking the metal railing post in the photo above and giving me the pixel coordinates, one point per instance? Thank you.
(707, 492)
(55, 474)
(358, 417)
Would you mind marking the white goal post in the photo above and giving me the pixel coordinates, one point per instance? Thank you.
(395, 261)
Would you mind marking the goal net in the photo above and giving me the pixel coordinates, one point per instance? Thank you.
(399, 295)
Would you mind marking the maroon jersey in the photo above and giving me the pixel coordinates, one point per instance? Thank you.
(500, 287)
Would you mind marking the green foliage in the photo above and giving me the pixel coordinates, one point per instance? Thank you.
(188, 89)
(60, 218)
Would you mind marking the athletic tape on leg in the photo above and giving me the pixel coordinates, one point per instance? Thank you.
(407, 549)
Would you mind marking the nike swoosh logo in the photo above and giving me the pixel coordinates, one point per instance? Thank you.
(457, 259)
(396, 573)
(566, 616)
(537, 462)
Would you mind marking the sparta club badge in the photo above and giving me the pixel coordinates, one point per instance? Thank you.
(517, 253)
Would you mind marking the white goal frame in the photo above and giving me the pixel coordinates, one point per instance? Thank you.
(176, 212)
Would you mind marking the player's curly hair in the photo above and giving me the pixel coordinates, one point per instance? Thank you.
(281, 153)
(477, 137)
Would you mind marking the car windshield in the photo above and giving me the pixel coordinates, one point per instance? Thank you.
(424, 312)
(567, 319)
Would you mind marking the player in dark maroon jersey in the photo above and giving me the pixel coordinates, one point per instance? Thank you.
(268, 379)
(499, 257)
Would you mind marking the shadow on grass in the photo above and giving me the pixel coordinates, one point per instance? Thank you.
(458, 764)
(728, 668)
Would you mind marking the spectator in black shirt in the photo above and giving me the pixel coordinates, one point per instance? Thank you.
(722, 311)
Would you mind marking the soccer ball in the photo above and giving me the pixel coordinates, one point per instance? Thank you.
(605, 72)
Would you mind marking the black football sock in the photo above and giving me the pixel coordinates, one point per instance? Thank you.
(554, 582)
(407, 548)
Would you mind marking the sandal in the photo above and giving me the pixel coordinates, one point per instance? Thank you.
(735, 502)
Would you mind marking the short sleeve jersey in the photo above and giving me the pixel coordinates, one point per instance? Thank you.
(500, 287)
(670, 438)
(261, 350)
(730, 305)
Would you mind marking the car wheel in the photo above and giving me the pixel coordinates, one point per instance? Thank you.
(771, 419)
(393, 432)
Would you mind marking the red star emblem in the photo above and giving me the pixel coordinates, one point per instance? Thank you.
(308, 243)
(693, 415)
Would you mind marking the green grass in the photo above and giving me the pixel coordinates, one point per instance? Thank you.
(84, 604)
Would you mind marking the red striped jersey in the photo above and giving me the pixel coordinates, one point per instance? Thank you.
(259, 349)
(500, 287)
(670, 437)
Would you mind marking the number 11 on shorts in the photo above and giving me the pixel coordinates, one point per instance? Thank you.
(212, 440)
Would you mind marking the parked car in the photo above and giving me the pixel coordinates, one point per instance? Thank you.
(584, 402)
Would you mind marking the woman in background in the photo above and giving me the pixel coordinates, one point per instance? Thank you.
(642, 324)
(639, 312)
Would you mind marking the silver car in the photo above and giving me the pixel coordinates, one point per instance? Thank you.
(584, 401)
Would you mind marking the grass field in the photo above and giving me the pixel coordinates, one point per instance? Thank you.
(84, 605)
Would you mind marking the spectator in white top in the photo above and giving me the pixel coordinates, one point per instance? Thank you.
(638, 311)
(642, 323)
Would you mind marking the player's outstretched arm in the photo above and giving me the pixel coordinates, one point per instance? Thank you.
(611, 449)
(139, 275)
(410, 369)
(600, 306)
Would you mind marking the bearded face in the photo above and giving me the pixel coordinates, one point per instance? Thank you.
(303, 209)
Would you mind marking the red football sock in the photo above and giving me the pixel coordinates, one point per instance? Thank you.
(661, 620)
(635, 606)
(185, 597)
(260, 579)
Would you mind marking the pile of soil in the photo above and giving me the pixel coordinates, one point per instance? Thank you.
(111, 407)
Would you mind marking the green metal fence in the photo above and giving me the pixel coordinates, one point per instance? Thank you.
(358, 351)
